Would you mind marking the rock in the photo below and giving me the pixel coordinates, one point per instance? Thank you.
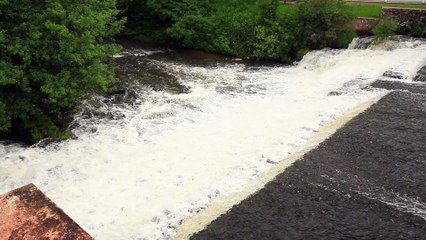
(421, 75)
(396, 85)
(392, 74)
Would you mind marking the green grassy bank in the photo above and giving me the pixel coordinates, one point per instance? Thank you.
(357, 9)
(374, 9)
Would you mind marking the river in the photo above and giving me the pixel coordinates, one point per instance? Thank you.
(194, 128)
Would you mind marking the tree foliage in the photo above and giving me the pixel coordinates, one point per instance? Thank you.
(224, 26)
(322, 22)
(246, 28)
(52, 54)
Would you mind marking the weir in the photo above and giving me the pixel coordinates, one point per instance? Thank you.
(145, 162)
(221, 206)
(364, 182)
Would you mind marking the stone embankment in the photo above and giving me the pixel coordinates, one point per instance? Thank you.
(404, 15)
(364, 25)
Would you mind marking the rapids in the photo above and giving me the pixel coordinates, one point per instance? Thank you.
(187, 133)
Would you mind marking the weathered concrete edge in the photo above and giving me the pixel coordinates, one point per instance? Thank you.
(200, 221)
(35, 215)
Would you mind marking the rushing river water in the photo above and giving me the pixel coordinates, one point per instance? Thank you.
(192, 129)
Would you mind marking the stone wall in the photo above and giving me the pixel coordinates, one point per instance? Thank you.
(405, 14)
(363, 25)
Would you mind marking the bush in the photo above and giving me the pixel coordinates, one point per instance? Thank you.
(415, 29)
(345, 38)
(385, 28)
(418, 29)
(53, 53)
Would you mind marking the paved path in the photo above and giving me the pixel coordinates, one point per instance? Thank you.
(368, 181)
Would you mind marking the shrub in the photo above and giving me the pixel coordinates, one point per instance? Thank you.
(415, 29)
(345, 38)
(53, 53)
(385, 28)
(301, 52)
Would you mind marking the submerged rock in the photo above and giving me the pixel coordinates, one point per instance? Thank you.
(392, 74)
(421, 75)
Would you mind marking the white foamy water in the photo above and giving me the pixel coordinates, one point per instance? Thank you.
(170, 157)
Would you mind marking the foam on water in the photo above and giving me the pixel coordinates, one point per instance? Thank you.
(136, 53)
(171, 155)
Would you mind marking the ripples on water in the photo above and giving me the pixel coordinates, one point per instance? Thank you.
(192, 129)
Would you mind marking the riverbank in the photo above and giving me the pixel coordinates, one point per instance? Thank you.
(362, 9)
(366, 182)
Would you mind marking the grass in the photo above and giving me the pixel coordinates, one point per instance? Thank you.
(374, 9)
(357, 9)
(361, 10)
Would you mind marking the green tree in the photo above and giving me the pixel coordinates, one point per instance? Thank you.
(53, 53)
(252, 29)
(322, 22)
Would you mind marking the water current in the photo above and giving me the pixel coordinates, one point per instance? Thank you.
(192, 128)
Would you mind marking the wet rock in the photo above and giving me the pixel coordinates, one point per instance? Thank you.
(93, 129)
(392, 74)
(335, 93)
(421, 75)
(394, 85)
(116, 90)
(47, 142)
(65, 119)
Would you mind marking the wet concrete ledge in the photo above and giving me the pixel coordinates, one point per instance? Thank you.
(367, 181)
(399, 85)
(27, 214)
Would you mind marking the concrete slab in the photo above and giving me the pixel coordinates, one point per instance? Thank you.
(26, 213)
(400, 85)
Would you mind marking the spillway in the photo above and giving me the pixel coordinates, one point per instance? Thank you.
(187, 135)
